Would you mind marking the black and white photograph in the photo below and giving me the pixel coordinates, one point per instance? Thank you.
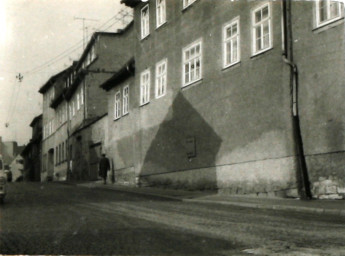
(172, 127)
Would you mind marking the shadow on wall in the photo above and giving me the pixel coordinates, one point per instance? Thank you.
(181, 152)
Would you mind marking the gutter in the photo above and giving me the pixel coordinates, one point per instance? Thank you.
(302, 171)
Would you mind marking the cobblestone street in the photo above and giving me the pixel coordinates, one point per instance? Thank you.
(62, 219)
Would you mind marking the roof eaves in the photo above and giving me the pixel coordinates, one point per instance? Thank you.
(130, 3)
(126, 71)
(35, 120)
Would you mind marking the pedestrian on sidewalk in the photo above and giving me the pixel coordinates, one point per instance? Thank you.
(104, 167)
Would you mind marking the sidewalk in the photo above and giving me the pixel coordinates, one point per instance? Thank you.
(331, 207)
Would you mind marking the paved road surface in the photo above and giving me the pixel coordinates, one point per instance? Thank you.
(63, 219)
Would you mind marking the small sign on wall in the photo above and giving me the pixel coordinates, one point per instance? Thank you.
(191, 147)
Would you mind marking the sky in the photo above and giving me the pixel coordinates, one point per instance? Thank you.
(40, 38)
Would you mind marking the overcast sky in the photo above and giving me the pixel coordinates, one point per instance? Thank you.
(34, 38)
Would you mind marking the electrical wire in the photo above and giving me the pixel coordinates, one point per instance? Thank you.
(122, 13)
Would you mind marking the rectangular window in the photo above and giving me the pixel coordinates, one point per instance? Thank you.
(117, 105)
(56, 155)
(160, 12)
(262, 28)
(187, 3)
(145, 87)
(82, 95)
(161, 78)
(78, 101)
(145, 22)
(327, 11)
(231, 43)
(125, 100)
(73, 108)
(59, 148)
(192, 67)
(63, 152)
(66, 149)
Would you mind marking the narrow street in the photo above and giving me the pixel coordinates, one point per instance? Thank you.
(63, 219)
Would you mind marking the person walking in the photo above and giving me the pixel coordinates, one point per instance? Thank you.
(104, 167)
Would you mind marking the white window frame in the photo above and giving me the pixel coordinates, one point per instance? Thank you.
(125, 100)
(187, 3)
(145, 78)
(160, 12)
(329, 18)
(145, 22)
(78, 101)
(161, 78)
(261, 25)
(82, 95)
(117, 105)
(190, 61)
(73, 108)
(230, 41)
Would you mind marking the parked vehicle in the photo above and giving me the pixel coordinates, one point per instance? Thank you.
(3, 181)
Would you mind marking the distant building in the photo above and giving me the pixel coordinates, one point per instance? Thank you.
(75, 108)
(17, 168)
(104, 55)
(9, 150)
(50, 124)
(32, 152)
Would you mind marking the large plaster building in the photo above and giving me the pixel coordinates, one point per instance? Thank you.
(244, 96)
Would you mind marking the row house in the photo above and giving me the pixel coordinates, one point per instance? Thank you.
(75, 108)
(50, 90)
(242, 96)
(32, 152)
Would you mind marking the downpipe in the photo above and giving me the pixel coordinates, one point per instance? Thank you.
(302, 172)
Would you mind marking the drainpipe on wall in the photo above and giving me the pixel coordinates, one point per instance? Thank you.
(302, 172)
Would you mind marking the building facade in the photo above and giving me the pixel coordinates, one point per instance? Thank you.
(32, 152)
(235, 95)
(104, 55)
(50, 126)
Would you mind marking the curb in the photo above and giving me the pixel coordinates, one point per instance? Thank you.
(272, 207)
(132, 192)
(335, 212)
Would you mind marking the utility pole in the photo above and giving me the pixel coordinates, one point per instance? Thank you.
(84, 28)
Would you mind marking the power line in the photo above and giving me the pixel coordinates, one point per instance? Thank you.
(119, 17)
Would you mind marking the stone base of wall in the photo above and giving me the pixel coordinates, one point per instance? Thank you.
(125, 176)
(265, 178)
(327, 175)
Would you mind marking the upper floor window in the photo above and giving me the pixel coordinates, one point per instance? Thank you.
(125, 100)
(78, 101)
(327, 11)
(160, 12)
(231, 43)
(192, 63)
(145, 87)
(187, 3)
(262, 28)
(70, 111)
(81, 96)
(161, 78)
(145, 21)
(117, 105)
(73, 108)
